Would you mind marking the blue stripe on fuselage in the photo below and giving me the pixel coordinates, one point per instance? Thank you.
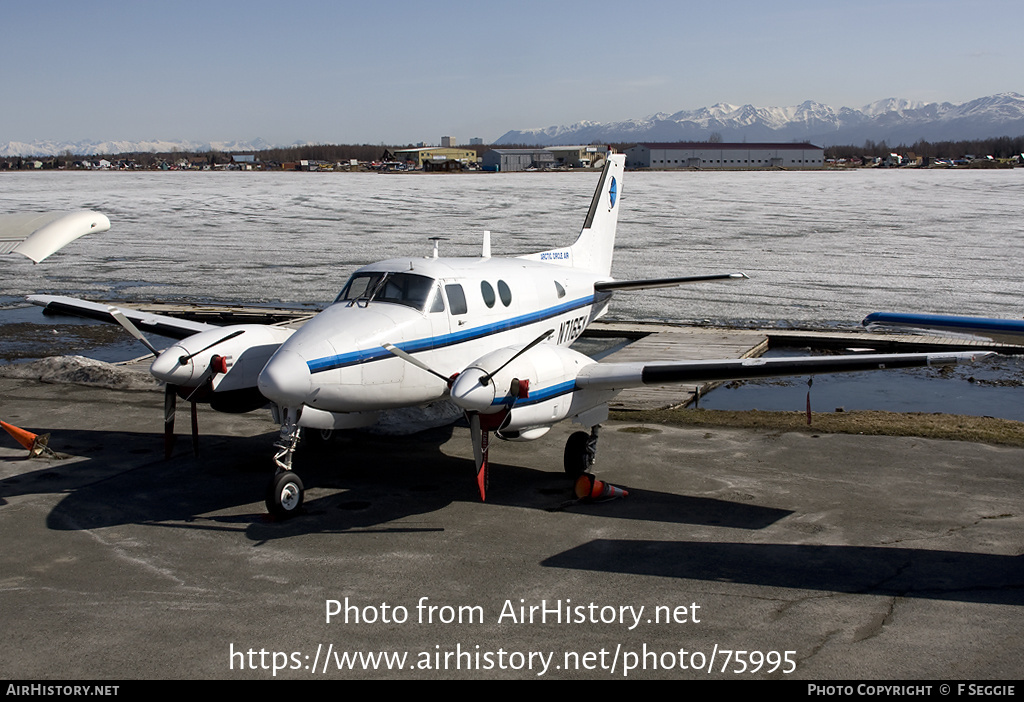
(537, 396)
(353, 358)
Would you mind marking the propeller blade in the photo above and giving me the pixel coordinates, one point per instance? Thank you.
(480, 440)
(170, 403)
(195, 430)
(185, 359)
(487, 378)
(391, 348)
(119, 317)
(205, 384)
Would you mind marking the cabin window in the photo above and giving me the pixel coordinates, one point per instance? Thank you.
(487, 290)
(504, 293)
(437, 300)
(456, 298)
(406, 289)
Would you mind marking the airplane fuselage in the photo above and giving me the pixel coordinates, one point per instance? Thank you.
(447, 312)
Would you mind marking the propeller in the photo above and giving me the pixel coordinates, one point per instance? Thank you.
(416, 362)
(170, 405)
(185, 359)
(470, 402)
(120, 318)
(172, 389)
(479, 431)
(485, 379)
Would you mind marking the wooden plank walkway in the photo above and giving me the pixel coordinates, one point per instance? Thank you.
(663, 342)
(676, 344)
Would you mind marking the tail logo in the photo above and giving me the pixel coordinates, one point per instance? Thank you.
(613, 191)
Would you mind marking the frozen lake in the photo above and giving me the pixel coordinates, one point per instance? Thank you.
(821, 248)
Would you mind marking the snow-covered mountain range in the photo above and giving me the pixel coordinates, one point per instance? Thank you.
(893, 120)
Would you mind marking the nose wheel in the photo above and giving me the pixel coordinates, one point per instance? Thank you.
(284, 494)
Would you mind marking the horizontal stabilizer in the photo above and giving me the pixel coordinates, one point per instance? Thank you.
(163, 325)
(1005, 331)
(607, 376)
(664, 282)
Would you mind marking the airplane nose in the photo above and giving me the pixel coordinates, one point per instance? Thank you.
(168, 368)
(285, 379)
(470, 395)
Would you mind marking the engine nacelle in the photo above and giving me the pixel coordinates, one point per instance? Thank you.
(552, 396)
(236, 353)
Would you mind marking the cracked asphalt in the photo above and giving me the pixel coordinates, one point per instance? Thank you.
(832, 556)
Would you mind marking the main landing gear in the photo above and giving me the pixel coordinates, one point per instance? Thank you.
(285, 491)
(580, 452)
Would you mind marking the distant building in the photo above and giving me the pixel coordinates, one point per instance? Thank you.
(245, 162)
(476, 141)
(517, 159)
(589, 156)
(436, 154)
(725, 156)
(448, 142)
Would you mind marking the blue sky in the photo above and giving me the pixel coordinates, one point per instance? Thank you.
(397, 72)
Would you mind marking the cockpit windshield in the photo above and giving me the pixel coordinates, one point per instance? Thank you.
(402, 288)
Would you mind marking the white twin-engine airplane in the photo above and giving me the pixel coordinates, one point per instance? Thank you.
(491, 335)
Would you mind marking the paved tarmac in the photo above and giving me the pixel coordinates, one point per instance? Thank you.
(819, 557)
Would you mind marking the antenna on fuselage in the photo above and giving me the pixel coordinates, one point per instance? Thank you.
(487, 244)
(436, 239)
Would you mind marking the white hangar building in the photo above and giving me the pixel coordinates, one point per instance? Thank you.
(726, 156)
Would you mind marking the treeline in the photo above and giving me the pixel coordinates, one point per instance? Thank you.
(327, 153)
(996, 147)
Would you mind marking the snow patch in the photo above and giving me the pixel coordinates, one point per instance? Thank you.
(79, 370)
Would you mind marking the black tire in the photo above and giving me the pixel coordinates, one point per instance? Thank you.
(285, 494)
(576, 460)
(319, 437)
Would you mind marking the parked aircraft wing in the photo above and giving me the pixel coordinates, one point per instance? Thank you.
(37, 235)
(609, 376)
(156, 323)
(1005, 331)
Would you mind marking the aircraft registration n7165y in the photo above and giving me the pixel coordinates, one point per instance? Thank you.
(489, 334)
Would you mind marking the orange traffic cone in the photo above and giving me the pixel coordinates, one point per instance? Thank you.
(35, 444)
(590, 488)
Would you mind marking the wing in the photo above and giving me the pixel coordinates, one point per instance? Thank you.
(38, 235)
(612, 285)
(616, 376)
(1006, 331)
(163, 325)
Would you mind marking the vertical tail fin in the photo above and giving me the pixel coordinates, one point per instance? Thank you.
(593, 248)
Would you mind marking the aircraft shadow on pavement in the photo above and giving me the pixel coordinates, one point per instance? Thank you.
(360, 482)
(867, 570)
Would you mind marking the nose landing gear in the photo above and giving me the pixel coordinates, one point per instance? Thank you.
(285, 491)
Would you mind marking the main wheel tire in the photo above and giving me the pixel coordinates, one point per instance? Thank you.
(285, 494)
(320, 437)
(576, 460)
